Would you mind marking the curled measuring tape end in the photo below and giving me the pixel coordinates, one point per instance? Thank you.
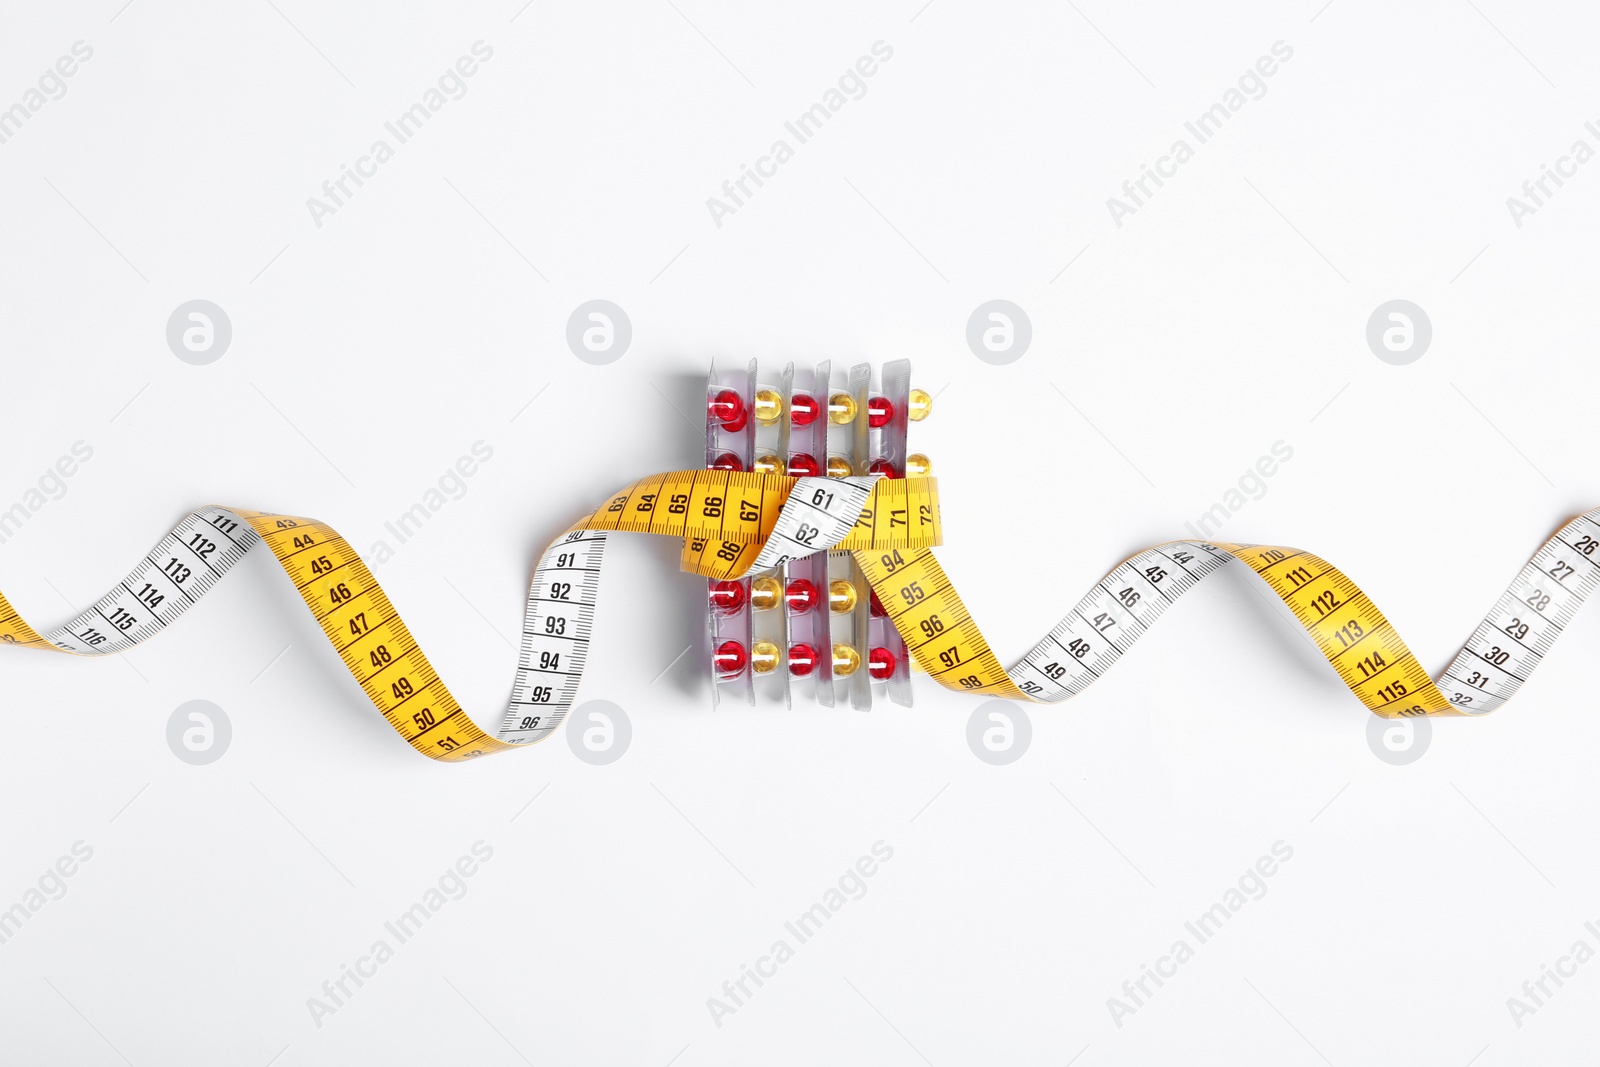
(734, 522)
(1362, 646)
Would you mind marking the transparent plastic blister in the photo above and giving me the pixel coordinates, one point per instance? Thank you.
(887, 423)
(768, 624)
(805, 580)
(813, 622)
(730, 445)
(859, 389)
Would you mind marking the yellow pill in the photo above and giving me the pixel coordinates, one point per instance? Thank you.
(845, 660)
(839, 467)
(769, 465)
(919, 405)
(918, 465)
(765, 593)
(841, 409)
(764, 657)
(841, 597)
(769, 406)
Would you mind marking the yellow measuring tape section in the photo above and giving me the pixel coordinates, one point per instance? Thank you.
(1347, 626)
(14, 630)
(368, 634)
(939, 631)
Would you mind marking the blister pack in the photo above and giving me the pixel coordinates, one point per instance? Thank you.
(831, 630)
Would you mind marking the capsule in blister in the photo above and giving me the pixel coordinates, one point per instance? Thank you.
(841, 597)
(918, 405)
(841, 409)
(803, 409)
(727, 407)
(765, 657)
(880, 663)
(727, 597)
(729, 659)
(766, 593)
(802, 660)
(801, 595)
(768, 406)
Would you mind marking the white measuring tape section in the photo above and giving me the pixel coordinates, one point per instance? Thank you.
(819, 513)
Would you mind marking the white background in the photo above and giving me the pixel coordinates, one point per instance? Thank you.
(370, 352)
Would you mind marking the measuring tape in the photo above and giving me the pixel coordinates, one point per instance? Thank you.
(1361, 645)
(733, 523)
(725, 518)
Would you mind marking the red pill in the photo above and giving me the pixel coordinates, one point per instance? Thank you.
(880, 663)
(727, 597)
(730, 659)
(876, 606)
(804, 466)
(801, 596)
(803, 409)
(883, 467)
(802, 660)
(727, 407)
(727, 461)
(880, 412)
